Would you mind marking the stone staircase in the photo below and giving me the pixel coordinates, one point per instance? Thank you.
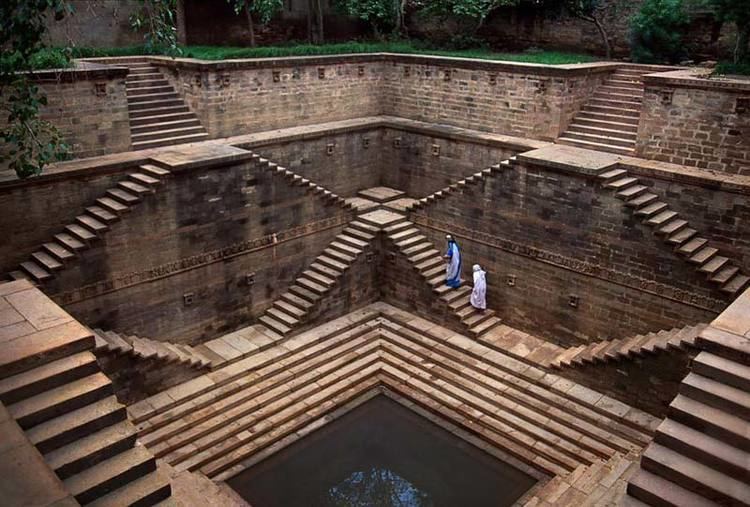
(268, 400)
(460, 185)
(623, 349)
(430, 265)
(66, 247)
(145, 348)
(676, 231)
(701, 451)
(158, 115)
(55, 390)
(608, 121)
(291, 309)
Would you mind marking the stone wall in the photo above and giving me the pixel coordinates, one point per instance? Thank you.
(697, 122)
(101, 24)
(544, 236)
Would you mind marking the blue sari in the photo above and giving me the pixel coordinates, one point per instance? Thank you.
(453, 270)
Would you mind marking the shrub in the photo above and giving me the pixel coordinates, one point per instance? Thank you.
(656, 32)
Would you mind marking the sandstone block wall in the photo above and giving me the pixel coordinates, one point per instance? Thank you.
(696, 122)
(100, 23)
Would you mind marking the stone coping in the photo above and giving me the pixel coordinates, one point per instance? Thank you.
(576, 69)
(116, 162)
(698, 79)
(590, 163)
(83, 71)
(736, 317)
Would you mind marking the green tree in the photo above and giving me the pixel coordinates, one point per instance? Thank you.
(656, 32)
(384, 16)
(587, 11)
(477, 10)
(157, 19)
(27, 143)
(263, 9)
(737, 12)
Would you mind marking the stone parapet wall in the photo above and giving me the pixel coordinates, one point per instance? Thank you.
(690, 120)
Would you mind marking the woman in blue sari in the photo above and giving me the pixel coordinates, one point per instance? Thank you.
(453, 269)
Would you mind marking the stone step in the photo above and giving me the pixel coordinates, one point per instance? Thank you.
(150, 105)
(37, 272)
(737, 284)
(623, 133)
(605, 116)
(110, 475)
(58, 251)
(612, 175)
(403, 234)
(77, 424)
(672, 227)
(324, 270)
(611, 140)
(290, 309)
(47, 376)
(282, 317)
(642, 200)
(296, 301)
(477, 317)
(662, 218)
(361, 235)
(167, 133)
(713, 422)
(116, 342)
(69, 242)
(612, 110)
(725, 274)
(60, 400)
(144, 179)
(144, 76)
(398, 226)
(112, 205)
(304, 293)
(426, 262)
(274, 324)
(140, 95)
(319, 278)
(595, 145)
(721, 396)
(364, 227)
(134, 188)
(333, 264)
(617, 95)
(150, 489)
(155, 86)
(154, 171)
(713, 266)
(682, 236)
(651, 209)
(124, 197)
(631, 192)
(159, 114)
(702, 448)
(146, 83)
(88, 451)
(625, 82)
(417, 249)
(703, 255)
(450, 295)
(722, 370)
(102, 214)
(657, 491)
(483, 327)
(615, 102)
(46, 261)
(596, 122)
(725, 344)
(169, 141)
(312, 286)
(92, 224)
(692, 246)
(352, 241)
(693, 476)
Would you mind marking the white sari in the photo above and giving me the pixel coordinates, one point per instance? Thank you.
(479, 292)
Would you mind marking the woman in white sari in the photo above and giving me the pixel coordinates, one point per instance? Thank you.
(479, 293)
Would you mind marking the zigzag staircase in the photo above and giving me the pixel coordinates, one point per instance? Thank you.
(66, 247)
(158, 115)
(676, 231)
(291, 309)
(701, 452)
(66, 407)
(430, 265)
(145, 348)
(623, 349)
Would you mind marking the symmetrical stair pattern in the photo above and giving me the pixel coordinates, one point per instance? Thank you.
(623, 349)
(66, 407)
(291, 309)
(701, 451)
(430, 265)
(145, 348)
(75, 238)
(272, 397)
(460, 185)
(676, 231)
(609, 120)
(158, 115)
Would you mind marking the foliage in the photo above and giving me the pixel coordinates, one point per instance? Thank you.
(411, 47)
(582, 9)
(264, 9)
(28, 143)
(157, 19)
(384, 16)
(737, 12)
(478, 10)
(656, 32)
(727, 68)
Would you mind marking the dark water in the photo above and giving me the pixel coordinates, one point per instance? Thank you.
(381, 454)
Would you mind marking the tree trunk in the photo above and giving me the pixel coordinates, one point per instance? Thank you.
(250, 25)
(310, 21)
(741, 48)
(602, 32)
(321, 36)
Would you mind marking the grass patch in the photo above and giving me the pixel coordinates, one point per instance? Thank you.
(724, 68)
(226, 53)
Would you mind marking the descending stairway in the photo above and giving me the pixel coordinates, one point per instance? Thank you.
(609, 120)
(67, 409)
(701, 451)
(628, 348)
(145, 348)
(158, 115)
(676, 231)
(79, 236)
(428, 261)
(460, 185)
(291, 309)
(272, 397)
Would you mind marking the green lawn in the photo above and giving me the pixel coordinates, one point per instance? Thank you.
(50, 57)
